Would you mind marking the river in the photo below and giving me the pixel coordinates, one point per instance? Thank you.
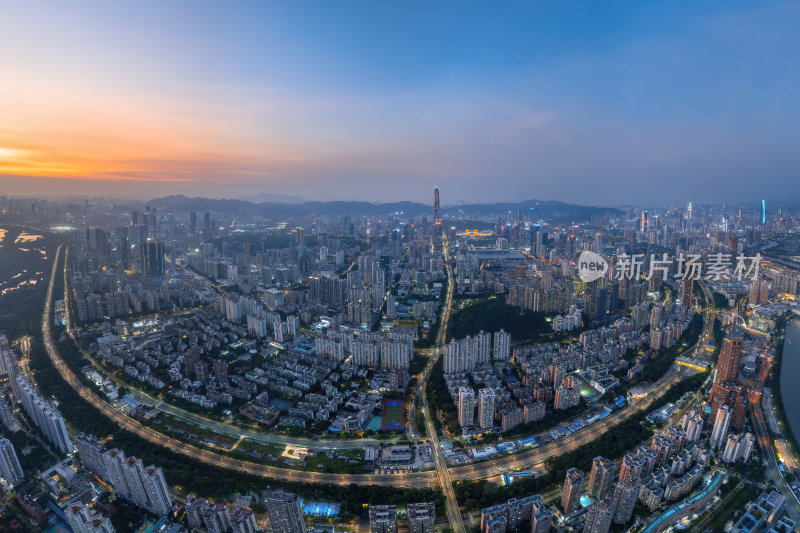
(25, 256)
(790, 375)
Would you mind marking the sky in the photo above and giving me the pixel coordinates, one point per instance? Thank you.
(604, 103)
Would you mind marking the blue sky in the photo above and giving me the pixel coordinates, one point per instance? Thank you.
(580, 101)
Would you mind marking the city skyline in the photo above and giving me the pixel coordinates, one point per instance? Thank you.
(596, 105)
(423, 267)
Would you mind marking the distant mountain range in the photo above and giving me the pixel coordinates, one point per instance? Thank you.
(543, 209)
(274, 198)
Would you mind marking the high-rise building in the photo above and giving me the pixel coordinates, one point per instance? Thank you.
(625, 495)
(144, 485)
(43, 415)
(10, 469)
(759, 292)
(283, 509)
(573, 485)
(730, 357)
(485, 408)
(153, 259)
(721, 423)
(601, 478)
(542, 520)
(631, 469)
(599, 517)
(421, 517)
(382, 519)
(437, 220)
(738, 447)
(83, 519)
(466, 407)
(734, 396)
(221, 372)
(692, 424)
(502, 345)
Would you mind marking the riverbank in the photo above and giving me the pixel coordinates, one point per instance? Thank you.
(784, 376)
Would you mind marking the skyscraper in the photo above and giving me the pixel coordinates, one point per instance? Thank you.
(734, 396)
(601, 477)
(436, 216)
(466, 407)
(486, 408)
(283, 509)
(573, 485)
(721, 423)
(153, 259)
(10, 469)
(730, 357)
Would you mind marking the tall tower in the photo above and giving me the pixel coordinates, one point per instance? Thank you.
(437, 220)
(729, 359)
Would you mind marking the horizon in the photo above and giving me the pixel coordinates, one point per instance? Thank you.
(297, 200)
(598, 105)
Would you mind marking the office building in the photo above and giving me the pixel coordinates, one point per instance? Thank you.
(283, 510)
(730, 358)
(153, 259)
(734, 396)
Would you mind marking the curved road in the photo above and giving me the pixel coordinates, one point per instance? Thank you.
(420, 480)
(403, 480)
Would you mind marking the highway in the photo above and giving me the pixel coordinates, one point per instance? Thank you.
(772, 470)
(443, 476)
(421, 479)
(442, 472)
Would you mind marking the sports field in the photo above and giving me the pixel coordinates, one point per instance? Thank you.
(392, 415)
